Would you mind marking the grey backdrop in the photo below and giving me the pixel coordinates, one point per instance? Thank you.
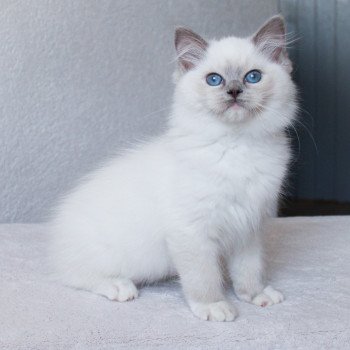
(322, 57)
(79, 79)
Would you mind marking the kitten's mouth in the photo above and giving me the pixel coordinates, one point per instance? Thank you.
(234, 104)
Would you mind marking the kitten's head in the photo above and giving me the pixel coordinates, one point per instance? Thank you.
(238, 81)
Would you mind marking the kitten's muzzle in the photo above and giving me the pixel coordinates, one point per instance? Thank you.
(234, 89)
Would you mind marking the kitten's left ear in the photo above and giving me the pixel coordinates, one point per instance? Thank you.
(271, 40)
(190, 48)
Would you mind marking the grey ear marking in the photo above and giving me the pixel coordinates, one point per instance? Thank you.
(190, 48)
(271, 40)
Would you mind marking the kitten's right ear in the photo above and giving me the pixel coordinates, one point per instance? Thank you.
(271, 40)
(190, 48)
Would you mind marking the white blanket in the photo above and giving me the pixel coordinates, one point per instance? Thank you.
(308, 258)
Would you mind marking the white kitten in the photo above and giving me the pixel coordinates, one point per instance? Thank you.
(197, 197)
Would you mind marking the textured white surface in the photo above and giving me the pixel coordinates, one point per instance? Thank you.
(79, 79)
(308, 260)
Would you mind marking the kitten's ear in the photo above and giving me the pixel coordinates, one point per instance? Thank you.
(190, 48)
(271, 40)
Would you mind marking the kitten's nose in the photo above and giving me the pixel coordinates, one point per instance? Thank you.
(234, 89)
(234, 92)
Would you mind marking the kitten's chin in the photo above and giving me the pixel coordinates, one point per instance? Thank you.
(236, 113)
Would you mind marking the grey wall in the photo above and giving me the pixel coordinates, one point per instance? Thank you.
(79, 79)
(322, 61)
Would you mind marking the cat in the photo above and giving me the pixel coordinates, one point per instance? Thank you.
(195, 200)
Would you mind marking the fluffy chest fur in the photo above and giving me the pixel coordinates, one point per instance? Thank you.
(229, 185)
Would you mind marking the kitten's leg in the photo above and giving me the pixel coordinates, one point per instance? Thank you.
(246, 268)
(119, 289)
(200, 274)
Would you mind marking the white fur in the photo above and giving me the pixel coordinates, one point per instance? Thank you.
(188, 201)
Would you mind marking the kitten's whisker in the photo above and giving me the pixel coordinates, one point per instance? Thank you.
(301, 109)
(157, 111)
(299, 144)
(275, 113)
(310, 134)
(304, 126)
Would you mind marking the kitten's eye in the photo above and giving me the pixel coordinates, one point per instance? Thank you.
(254, 76)
(214, 79)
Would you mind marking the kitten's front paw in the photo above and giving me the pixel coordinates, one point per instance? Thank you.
(269, 296)
(219, 311)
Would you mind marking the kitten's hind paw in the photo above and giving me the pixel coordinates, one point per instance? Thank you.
(269, 296)
(219, 311)
(119, 289)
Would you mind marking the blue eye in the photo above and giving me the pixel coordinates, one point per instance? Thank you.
(214, 79)
(254, 76)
